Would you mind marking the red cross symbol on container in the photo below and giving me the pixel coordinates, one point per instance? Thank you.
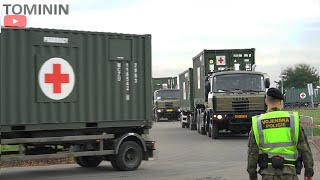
(57, 78)
(303, 95)
(220, 60)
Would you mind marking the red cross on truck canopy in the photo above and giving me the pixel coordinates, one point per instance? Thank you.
(221, 60)
(56, 78)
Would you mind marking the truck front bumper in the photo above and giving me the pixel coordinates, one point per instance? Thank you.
(235, 121)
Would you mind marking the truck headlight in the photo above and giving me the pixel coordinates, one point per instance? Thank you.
(179, 110)
(219, 116)
(159, 110)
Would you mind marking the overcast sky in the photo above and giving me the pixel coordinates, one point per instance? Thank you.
(284, 32)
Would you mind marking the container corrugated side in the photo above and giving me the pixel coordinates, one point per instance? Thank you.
(112, 79)
(186, 90)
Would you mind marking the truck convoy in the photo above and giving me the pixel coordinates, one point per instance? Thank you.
(76, 94)
(166, 102)
(222, 92)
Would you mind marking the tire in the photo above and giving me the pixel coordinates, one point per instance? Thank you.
(209, 131)
(199, 127)
(129, 156)
(114, 163)
(187, 125)
(191, 125)
(88, 161)
(202, 131)
(156, 117)
(183, 125)
(214, 131)
(197, 120)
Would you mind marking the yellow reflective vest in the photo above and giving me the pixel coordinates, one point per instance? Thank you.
(276, 133)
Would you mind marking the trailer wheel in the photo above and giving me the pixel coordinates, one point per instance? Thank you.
(114, 163)
(156, 117)
(129, 157)
(88, 161)
(214, 131)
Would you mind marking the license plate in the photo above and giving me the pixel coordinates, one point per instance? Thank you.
(169, 110)
(241, 116)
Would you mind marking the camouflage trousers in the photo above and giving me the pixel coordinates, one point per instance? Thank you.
(282, 177)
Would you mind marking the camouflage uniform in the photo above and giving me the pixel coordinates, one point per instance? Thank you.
(288, 172)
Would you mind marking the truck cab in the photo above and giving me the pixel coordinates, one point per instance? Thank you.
(233, 97)
(166, 104)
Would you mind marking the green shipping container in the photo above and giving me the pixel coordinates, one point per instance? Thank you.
(59, 79)
(186, 90)
(164, 83)
(301, 95)
(209, 61)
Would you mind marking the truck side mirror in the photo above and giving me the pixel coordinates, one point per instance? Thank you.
(267, 82)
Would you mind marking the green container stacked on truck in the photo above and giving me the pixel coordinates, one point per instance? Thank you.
(212, 60)
(111, 76)
(164, 82)
(186, 90)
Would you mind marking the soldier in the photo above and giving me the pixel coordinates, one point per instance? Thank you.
(275, 140)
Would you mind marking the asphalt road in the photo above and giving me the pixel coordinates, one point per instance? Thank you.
(182, 154)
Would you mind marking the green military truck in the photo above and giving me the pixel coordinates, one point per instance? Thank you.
(76, 94)
(166, 104)
(165, 98)
(227, 91)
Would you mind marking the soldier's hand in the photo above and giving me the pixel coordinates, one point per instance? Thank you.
(307, 178)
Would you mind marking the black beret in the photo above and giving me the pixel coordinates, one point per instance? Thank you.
(275, 93)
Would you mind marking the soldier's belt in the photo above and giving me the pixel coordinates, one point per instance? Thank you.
(285, 162)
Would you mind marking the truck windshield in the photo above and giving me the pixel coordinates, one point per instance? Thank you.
(167, 94)
(238, 82)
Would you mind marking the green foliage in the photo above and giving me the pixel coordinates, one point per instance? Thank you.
(299, 77)
(8, 148)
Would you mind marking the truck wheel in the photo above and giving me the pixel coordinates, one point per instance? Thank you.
(187, 125)
(192, 127)
(114, 163)
(209, 131)
(88, 161)
(197, 120)
(202, 131)
(214, 131)
(129, 157)
(198, 127)
(183, 125)
(156, 117)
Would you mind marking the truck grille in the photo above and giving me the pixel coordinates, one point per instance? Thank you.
(169, 104)
(240, 106)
